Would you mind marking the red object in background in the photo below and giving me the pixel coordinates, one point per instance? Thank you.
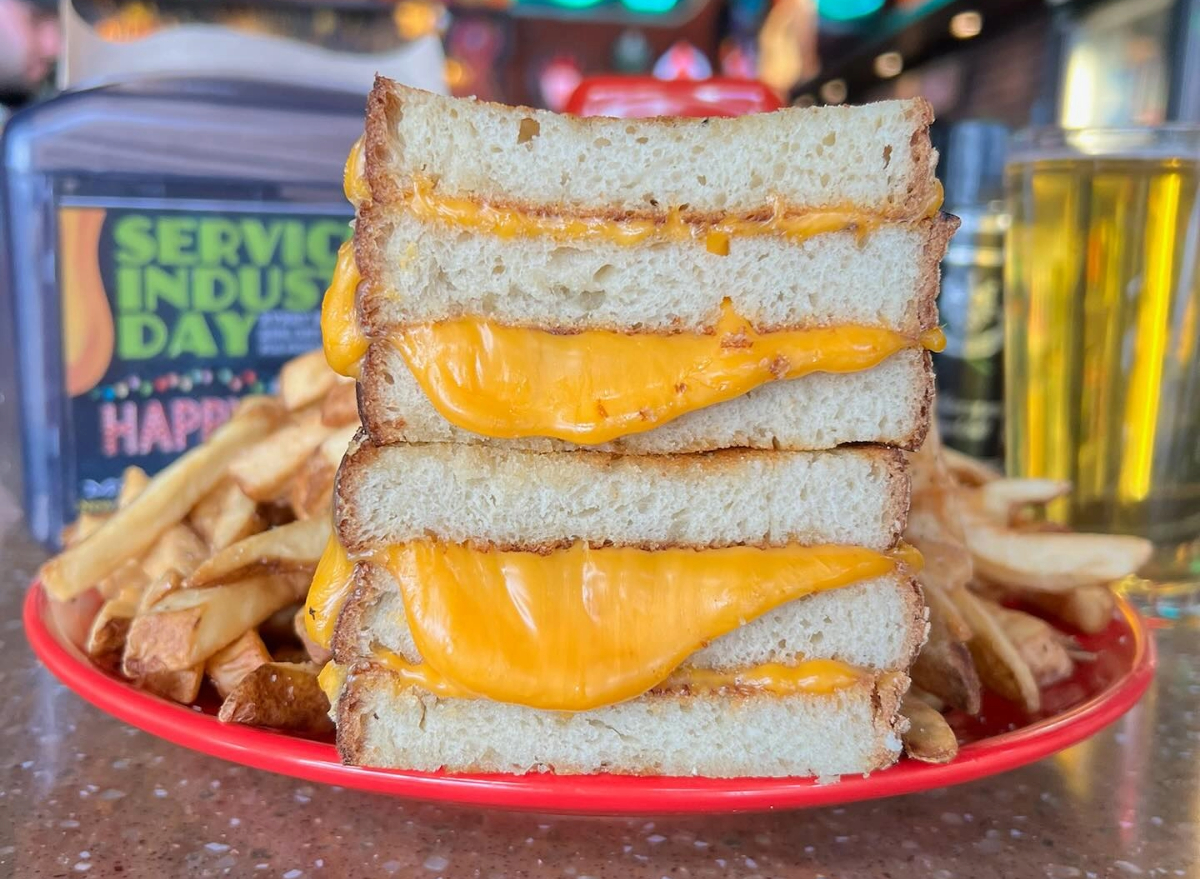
(558, 81)
(639, 96)
(1002, 738)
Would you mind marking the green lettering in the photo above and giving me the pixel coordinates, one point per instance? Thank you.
(261, 240)
(324, 238)
(129, 288)
(213, 289)
(302, 289)
(192, 336)
(235, 332)
(219, 242)
(177, 241)
(135, 240)
(261, 288)
(293, 243)
(170, 285)
(140, 336)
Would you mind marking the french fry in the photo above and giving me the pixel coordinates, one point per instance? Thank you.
(318, 654)
(293, 547)
(131, 531)
(181, 686)
(229, 665)
(1000, 665)
(263, 470)
(106, 637)
(335, 446)
(967, 470)
(929, 738)
(1049, 562)
(944, 666)
(225, 515)
(280, 695)
(340, 406)
(1004, 499)
(83, 527)
(133, 482)
(311, 493)
(305, 379)
(1087, 608)
(1040, 645)
(179, 549)
(170, 581)
(187, 627)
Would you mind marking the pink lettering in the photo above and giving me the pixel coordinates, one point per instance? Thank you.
(216, 411)
(156, 431)
(118, 433)
(186, 418)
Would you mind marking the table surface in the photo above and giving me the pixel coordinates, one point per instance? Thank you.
(83, 794)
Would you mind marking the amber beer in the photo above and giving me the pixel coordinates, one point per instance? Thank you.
(1102, 331)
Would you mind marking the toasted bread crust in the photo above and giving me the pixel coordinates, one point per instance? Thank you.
(365, 680)
(374, 226)
(362, 457)
(385, 108)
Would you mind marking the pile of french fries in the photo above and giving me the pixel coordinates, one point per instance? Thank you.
(201, 572)
(987, 547)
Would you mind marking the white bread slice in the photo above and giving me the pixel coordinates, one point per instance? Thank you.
(417, 271)
(854, 730)
(889, 404)
(826, 625)
(532, 500)
(876, 158)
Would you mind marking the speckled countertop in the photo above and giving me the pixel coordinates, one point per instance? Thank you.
(83, 794)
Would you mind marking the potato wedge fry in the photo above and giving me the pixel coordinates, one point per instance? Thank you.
(170, 581)
(305, 379)
(340, 406)
(229, 665)
(944, 666)
(188, 626)
(83, 527)
(133, 482)
(335, 446)
(966, 470)
(263, 470)
(293, 547)
(311, 493)
(179, 686)
(1049, 562)
(179, 549)
(929, 738)
(280, 695)
(225, 515)
(999, 663)
(1087, 608)
(106, 637)
(944, 612)
(131, 531)
(1004, 499)
(1040, 645)
(318, 654)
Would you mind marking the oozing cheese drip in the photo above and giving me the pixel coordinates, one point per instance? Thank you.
(579, 627)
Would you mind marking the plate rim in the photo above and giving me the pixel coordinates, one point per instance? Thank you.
(590, 794)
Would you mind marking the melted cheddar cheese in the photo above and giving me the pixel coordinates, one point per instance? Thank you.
(580, 627)
(598, 385)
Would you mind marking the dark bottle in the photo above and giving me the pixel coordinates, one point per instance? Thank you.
(970, 372)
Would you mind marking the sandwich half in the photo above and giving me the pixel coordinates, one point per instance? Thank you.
(492, 610)
(640, 286)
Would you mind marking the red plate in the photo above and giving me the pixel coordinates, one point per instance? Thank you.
(1001, 739)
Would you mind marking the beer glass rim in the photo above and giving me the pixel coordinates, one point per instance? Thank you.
(1176, 139)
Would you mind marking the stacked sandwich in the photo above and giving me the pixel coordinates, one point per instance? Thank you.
(629, 489)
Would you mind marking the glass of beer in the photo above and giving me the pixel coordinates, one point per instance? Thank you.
(1102, 333)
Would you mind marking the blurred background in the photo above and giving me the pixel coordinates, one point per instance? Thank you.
(1076, 62)
(142, 126)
